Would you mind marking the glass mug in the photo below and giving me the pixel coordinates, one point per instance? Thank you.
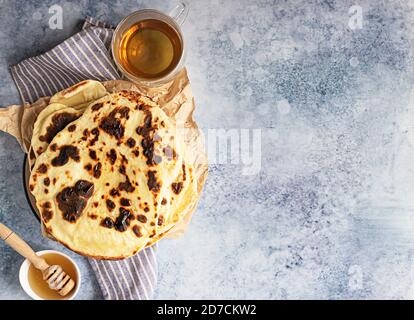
(130, 25)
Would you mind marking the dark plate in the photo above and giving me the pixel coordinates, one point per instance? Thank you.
(29, 196)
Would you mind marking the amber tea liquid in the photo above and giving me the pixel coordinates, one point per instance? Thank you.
(40, 286)
(150, 49)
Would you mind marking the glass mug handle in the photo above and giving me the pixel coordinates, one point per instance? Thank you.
(180, 12)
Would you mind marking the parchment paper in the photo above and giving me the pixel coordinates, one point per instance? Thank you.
(175, 98)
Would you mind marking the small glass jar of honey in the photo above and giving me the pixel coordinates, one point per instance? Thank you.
(31, 279)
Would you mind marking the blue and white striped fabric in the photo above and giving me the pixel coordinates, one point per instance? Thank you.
(86, 55)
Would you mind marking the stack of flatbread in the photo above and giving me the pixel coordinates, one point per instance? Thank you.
(109, 174)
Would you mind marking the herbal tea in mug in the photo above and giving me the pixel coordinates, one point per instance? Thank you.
(150, 49)
(148, 45)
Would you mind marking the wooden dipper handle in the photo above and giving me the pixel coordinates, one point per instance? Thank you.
(14, 241)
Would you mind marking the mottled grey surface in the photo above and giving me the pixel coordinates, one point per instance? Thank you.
(331, 213)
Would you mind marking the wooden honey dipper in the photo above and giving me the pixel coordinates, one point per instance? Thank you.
(55, 277)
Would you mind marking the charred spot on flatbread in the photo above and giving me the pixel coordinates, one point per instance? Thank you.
(112, 156)
(97, 170)
(137, 231)
(153, 184)
(125, 202)
(114, 192)
(97, 106)
(46, 182)
(46, 212)
(169, 153)
(126, 186)
(113, 124)
(123, 220)
(131, 142)
(72, 200)
(107, 223)
(59, 121)
(92, 154)
(160, 221)
(42, 169)
(95, 133)
(149, 137)
(177, 187)
(65, 154)
(110, 205)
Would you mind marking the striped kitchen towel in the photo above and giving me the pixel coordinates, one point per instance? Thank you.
(86, 55)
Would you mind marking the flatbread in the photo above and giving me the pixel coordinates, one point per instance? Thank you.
(65, 107)
(80, 94)
(114, 180)
(53, 119)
